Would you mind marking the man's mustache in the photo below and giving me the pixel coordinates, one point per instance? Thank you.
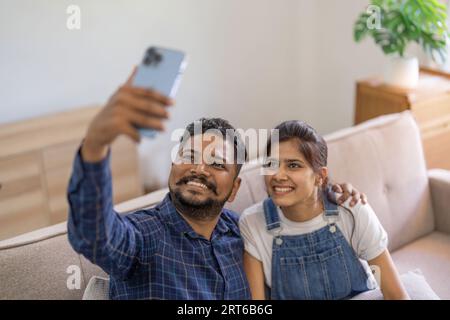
(199, 179)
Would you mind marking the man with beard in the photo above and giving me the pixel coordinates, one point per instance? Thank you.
(188, 246)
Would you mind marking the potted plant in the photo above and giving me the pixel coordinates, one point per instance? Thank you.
(394, 24)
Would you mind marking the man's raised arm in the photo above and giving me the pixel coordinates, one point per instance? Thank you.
(94, 228)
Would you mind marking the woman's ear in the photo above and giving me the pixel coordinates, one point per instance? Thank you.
(322, 176)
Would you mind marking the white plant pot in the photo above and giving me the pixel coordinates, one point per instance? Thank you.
(402, 72)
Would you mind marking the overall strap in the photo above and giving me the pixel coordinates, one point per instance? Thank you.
(331, 211)
(271, 214)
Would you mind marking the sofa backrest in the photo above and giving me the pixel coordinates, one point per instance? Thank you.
(383, 158)
(387, 163)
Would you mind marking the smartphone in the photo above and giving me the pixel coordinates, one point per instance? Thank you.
(160, 70)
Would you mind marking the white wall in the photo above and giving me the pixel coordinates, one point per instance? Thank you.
(253, 62)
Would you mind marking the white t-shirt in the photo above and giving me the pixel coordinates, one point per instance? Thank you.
(369, 238)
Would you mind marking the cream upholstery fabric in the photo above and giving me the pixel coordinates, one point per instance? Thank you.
(413, 281)
(39, 270)
(97, 289)
(440, 188)
(431, 254)
(382, 157)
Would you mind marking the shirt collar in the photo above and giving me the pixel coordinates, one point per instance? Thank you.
(173, 217)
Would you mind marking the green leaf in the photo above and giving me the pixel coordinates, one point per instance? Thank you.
(360, 29)
(405, 21)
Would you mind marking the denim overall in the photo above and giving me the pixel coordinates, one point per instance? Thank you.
(316, 265)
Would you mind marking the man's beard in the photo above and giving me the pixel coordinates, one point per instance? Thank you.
(198, 210)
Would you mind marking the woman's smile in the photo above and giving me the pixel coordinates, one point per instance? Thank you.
(280, 190)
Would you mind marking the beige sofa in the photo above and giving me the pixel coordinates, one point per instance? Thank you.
(382, 157)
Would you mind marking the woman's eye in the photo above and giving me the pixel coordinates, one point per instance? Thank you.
(294, 165)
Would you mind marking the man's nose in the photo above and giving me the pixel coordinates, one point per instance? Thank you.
(200, 169)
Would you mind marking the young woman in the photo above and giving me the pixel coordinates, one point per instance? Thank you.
(302, 245)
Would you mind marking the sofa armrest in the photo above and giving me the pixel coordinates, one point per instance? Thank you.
(440, 194)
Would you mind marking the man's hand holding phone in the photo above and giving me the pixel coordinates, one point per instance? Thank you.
(128, 108)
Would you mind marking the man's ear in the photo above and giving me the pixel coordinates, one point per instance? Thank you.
(236, 185)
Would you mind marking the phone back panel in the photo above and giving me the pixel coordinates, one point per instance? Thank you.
(160, 70)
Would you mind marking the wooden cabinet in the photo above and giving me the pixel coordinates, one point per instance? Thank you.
(36, 158)
(22, 195)
(429, 102)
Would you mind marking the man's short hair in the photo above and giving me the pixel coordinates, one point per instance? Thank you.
(225, 128)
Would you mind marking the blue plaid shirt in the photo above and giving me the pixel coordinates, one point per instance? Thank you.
(153, 253)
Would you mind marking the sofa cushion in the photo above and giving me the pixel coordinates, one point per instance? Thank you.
(90, 270)
(39, 270)
(414, 283)
(432, 255)
(97, 289)
(440, 191)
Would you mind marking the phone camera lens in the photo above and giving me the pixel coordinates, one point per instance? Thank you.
(152, 57)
